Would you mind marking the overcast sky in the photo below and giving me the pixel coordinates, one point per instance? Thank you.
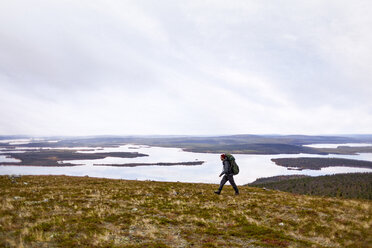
(185, 67)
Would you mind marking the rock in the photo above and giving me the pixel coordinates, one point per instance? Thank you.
(13, 177)
(281, 224)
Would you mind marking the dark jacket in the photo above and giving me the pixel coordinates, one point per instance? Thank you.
(226, 168)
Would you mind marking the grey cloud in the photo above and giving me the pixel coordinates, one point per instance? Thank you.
(171, 66)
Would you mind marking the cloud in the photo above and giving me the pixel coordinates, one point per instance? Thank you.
(195, 67)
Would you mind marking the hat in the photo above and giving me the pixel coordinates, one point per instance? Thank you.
(223, 156)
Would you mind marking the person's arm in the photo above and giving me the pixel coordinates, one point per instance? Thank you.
(223, 172)
(226, 165)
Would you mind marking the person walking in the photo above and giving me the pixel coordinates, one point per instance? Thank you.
(228, 175)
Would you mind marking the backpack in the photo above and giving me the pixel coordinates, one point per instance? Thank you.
(234, 165)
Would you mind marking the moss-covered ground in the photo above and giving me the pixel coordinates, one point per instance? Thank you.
(61, 211)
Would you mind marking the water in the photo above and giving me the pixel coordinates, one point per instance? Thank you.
(337, 145)
(20, 141)
(251, 166)
(4, 158)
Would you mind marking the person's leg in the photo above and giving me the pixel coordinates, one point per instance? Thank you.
(232, 182)
(222, 183)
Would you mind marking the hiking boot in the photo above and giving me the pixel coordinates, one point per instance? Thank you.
(236, 193)
(217, 192)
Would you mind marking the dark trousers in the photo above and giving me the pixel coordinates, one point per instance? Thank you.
(229, 178)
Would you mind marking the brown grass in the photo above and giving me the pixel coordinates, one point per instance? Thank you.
(61, 211)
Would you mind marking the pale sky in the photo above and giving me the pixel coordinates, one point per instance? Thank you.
(88, 67)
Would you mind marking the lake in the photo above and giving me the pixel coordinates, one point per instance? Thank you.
(251, 166)
(337, 145)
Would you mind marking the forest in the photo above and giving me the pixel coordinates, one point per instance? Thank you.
(350, 185)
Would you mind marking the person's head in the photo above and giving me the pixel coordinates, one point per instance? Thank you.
(223, 156)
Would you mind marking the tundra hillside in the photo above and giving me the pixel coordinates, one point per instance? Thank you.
(61, 211)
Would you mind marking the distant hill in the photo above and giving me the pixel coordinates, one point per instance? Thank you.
(351, 185)
(238, 144)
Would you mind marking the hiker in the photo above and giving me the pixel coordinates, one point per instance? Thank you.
(228, 175)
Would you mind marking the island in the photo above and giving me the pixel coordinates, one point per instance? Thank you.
(153, 164)
(54, 157)
(317, 163)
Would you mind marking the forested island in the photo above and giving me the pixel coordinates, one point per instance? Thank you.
(52, 157)
(318, 163)
(153, 164)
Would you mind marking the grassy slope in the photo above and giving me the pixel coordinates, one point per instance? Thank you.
(60, 211)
